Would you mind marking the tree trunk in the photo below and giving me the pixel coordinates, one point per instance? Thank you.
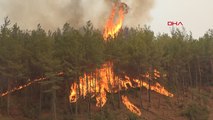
(40, 102)
(149, 93)
(67, 95)
(88, 93)
(1, 91)
(174, 75)
(190, 76)
(141, 103)
(54, 104)
(25, 98)
(199, 70)
(100, 94)
(159, 102)
(96, 77)
(76, 103)
(196, 78)
(183, 85)
(211, 80)
(119, 94)
(110, 86)
(112, 92)
(8, 97)
(151, 72)
(89, 104)
(87, 85)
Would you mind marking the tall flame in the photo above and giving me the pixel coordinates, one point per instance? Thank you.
(111, 28)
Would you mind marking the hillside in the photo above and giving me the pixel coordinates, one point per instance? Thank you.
(160, 108)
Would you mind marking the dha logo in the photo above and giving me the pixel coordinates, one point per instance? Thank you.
(172, 23)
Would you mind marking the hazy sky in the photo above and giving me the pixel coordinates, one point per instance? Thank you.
(196, 15)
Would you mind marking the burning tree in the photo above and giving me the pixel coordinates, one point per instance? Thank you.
(108, 81)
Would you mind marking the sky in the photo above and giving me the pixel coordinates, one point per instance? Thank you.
(196, 15)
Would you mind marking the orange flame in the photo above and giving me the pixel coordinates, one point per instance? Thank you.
(130, 106)
(73, 94)
(157, 88)
(27, 84)
(111, 29)
(105, 81)
(89, 84)
(21, 87)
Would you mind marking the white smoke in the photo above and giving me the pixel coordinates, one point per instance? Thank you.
(52, 14)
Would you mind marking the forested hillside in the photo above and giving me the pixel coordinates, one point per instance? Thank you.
(38, 69)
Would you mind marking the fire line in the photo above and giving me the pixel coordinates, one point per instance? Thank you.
(27, 84)
(21, 87)
(130, 106)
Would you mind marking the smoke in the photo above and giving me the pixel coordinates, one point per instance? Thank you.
(139, 12)
(52, 14)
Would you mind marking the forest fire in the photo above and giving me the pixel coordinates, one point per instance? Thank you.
(103, 80)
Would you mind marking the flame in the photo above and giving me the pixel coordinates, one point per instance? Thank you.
(73, 94)
(130, 106)
(101, 98)
(22, 86)
(27, 84)
(107, 81)
(156, 74)
(88, 84)
(157, 88)
(103, 81)
(111, 29)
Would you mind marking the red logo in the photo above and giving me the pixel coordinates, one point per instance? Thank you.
(173, 23)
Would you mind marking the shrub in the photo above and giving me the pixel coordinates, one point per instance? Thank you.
(132, 116)
(194, 111)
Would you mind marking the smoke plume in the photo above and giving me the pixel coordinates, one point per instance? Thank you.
(52, 14)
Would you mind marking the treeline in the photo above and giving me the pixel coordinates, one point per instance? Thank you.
(26, 55)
